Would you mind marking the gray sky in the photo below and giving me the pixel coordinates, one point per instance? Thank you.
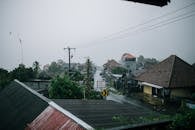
(45, 27)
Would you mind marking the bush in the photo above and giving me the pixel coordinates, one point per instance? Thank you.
(193, 96)
(94, 95)
(184, 120)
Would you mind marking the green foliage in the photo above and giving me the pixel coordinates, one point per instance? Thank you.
(193, 96)
(193, 65)
(184, 120)
(122, 119)
(64, 88)
(76, 76)
(145, 62)
(44, 75)
(94, 95)
(55, 69)
(149, 118)
(36, 68)
(4, 77)
(22, 73)
(119, 70)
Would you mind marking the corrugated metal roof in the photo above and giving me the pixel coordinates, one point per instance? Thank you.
(52, 119)
(99, 113)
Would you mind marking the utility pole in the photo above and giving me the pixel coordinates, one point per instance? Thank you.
(88, 74)
(69, 57)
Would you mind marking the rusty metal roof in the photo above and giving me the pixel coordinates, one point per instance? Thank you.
(51, 119)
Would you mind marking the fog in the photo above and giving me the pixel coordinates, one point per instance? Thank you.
(99, 29)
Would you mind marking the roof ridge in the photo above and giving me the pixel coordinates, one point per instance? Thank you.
(172, 67)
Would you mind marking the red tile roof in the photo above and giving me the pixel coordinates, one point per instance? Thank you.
(52, 119)
(127, 56)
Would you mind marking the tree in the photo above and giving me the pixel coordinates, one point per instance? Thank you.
(64, 88)
(193, 65)
(140, 61)
(149, 62)
(22, 73)
(119, 70)
(145, 62)
(89, 75)
(56, 68)
(76, 76)
(44, 75)
(36, 68)
(4, 78)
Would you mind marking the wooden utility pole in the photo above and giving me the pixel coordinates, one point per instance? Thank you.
(88, 74)
(69, 57)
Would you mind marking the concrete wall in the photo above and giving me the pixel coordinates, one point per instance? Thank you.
(147, 89)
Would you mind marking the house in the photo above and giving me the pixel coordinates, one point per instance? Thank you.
(129, 62)
(110, 64)
(172, 77)
(24, 108)
(152, 2)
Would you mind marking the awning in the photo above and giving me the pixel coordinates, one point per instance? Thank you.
(152, 85)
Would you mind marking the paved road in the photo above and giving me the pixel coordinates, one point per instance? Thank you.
(99, 83)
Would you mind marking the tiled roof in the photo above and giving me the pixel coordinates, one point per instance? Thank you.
(99, 113)
(171, 72)
(127, 56)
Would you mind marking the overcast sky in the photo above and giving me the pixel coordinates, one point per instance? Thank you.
(45, 27)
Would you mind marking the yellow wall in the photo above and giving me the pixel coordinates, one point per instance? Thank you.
(148, 90)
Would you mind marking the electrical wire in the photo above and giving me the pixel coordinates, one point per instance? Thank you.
(121, 32)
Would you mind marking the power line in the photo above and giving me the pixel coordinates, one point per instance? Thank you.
(149, 21)
(162, 23)
(171, 22)
(109, 37)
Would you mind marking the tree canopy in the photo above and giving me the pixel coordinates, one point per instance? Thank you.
(63, 87)
(119, 70)
(4, 77)
(22, 73)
